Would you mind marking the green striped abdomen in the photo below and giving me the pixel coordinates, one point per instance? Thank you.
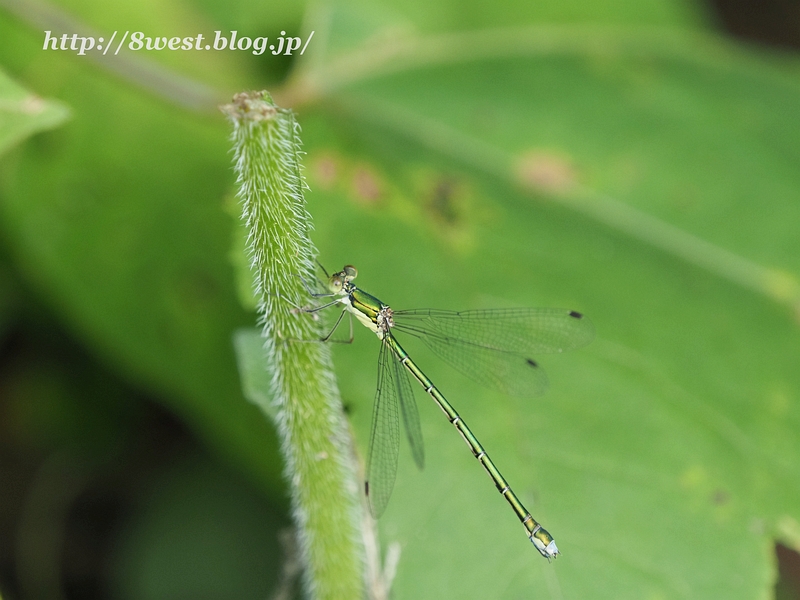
(538, 535)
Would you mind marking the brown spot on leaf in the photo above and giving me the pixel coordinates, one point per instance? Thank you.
(720, 497)
(367, 185)
(442, 199)
(324, 171)
(545, 172)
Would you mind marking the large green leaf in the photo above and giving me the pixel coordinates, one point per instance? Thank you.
(662, 201)
(613, 159)
(118, 219)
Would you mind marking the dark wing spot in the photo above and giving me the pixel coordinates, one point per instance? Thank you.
(575, 314)
(531, 362)
(366, 488)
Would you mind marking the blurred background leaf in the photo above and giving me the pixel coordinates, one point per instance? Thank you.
(22, 114)
(618, 158)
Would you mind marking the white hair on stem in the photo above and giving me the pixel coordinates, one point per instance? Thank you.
(314, 436)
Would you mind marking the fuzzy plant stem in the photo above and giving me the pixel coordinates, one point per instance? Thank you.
(310, 421)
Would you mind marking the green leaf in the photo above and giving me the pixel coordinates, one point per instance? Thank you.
(118, 222)
(635, 183)
(23, 114)
(255, 377)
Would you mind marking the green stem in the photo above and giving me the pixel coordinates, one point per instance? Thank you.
(309, 417)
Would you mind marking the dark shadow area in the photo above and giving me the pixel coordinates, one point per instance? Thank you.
(788, 584)
(770, 22)
(105, 494)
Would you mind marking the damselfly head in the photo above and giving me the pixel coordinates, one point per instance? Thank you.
(349, 272)
(338, 281)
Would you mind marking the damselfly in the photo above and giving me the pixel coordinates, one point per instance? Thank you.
(493, 347)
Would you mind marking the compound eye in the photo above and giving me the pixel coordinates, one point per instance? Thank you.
(335, 283)
(350, 272)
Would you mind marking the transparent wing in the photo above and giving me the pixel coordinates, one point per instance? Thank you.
(512, 374)
(494, 347)
(384, 439)
(518, 330)
(394, 390)
(408, 406)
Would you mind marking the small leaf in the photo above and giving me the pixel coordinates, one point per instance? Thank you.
(23, 114)
(256, 378)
